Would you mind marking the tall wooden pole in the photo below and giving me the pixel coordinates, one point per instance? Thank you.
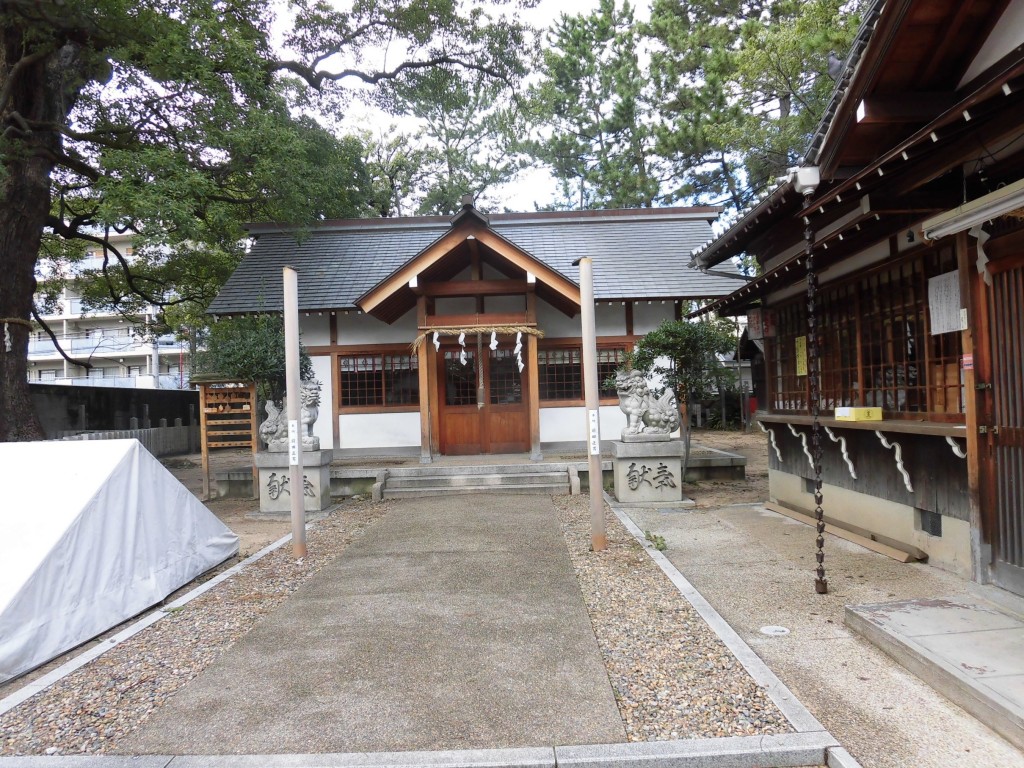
(598, 539)
(293, 383)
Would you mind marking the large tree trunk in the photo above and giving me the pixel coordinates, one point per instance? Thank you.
(43, 92)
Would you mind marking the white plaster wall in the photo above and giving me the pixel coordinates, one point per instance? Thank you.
(556, 324)
(322, 428)
(611, 319)
(951, 551)
(504, 303)
(560, 425)
(460, 305)
(647, 317)
(366, 329)
(315, 330)
(380, 430)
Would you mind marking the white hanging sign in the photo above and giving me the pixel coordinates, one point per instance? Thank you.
(595, 433)
(944, 304)
(293, 442)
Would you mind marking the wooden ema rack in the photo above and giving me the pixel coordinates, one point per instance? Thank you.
(228, 419)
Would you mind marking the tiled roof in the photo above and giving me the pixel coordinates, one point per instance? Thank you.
(637, 255)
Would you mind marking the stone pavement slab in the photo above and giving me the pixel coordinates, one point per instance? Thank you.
(454, 623)
(963, 647)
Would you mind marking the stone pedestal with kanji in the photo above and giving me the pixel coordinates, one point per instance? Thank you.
(648, 472)
(274, 479)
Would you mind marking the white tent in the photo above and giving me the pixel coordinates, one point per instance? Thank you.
(92, 533)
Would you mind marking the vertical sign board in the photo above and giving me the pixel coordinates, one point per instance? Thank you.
(595, 433)
(801, 355)
(293, 442)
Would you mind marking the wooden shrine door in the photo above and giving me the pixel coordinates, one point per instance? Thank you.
(1004, 490)
(482, 407)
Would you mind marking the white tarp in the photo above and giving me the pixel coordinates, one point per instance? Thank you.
(92, 533)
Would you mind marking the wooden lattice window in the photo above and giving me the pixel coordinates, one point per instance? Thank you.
(505, 379)
(876, 348)
(460, 386)
(608, 361)
(560, 374)
(382, 380)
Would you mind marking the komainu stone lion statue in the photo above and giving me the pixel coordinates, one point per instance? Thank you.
(646, 413)
(274, 430)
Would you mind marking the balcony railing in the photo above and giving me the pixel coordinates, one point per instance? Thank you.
(99, 345)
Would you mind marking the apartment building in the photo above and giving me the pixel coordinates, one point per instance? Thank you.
(121, 354)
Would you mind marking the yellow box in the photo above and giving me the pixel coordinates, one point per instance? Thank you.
(858, 414)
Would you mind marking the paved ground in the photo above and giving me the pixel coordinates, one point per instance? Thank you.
(755, 568)
(426, 605)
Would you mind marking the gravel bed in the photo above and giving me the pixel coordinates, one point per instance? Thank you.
(91, 709)
(673, 677)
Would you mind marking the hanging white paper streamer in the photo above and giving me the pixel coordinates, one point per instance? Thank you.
(8, 345)
(462, 343)
(982, 263)
(437, 341)
(462, 339)
(519, 351)
(494, 341)
(519, 362)
(462, 357)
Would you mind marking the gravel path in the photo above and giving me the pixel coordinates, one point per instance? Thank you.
(672, 677)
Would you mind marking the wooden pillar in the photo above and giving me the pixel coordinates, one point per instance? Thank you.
(423, 369)
(335, 385)
(973, 339)
(532, 378)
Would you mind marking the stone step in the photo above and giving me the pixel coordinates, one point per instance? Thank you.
(436, 470)
(494, 479)
(443, 490)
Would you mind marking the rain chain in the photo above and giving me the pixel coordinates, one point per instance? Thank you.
(813, 374)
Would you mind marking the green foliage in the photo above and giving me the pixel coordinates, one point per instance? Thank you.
(684, 354)
(470, 138)
(728, 101)
(593, 111)
(741, 86)
(657, 541)
(251, 348)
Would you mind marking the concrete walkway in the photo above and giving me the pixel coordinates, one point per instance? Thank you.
(386, 647)
(756, 568)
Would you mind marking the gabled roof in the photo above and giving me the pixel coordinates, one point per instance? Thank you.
(638, 254)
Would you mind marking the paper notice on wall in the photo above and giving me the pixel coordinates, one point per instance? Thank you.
(944, 304)
(801, 355)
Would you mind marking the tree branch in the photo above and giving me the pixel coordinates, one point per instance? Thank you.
(12, 77)
(49, 332)
(316, 79)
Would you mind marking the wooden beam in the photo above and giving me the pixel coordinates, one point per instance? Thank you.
(533, 380)
(527, 263)
(903, 553)
(461, 321)
(903, 108)
(456, 288)
(400, 279)
(423, 364)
